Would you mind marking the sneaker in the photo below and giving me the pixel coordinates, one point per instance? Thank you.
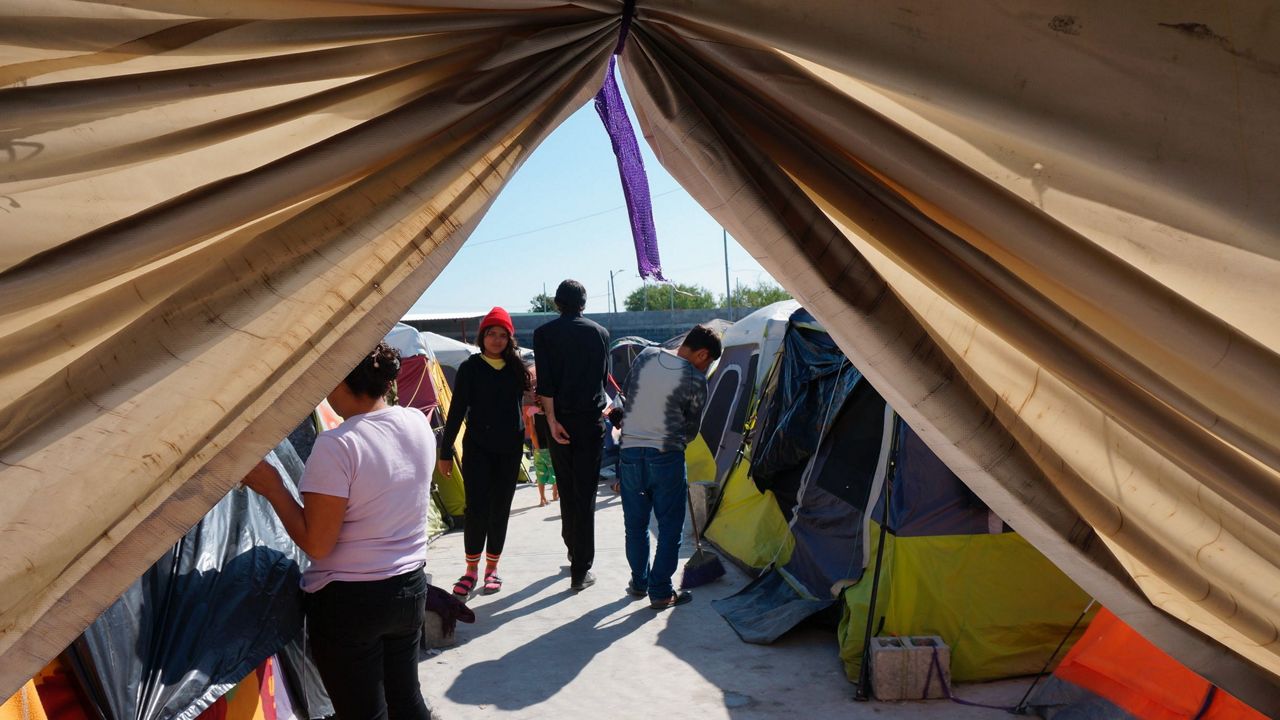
(582, 583)
(635, 592)
(679, 598)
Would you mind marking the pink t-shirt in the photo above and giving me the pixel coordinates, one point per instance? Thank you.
(381, 462)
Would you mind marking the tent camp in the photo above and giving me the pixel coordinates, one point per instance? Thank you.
(1045, 234)
(828, 464)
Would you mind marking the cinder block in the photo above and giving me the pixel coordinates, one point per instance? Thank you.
(900, 668)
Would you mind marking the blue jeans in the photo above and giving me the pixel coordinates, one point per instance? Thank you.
(653, 481)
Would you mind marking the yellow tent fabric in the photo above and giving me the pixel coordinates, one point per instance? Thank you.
(699, 463)
(1046, 235)
(452, 491)
(23, 705)
(1000, 605)
(748, 524)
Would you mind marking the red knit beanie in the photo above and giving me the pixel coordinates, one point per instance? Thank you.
(499, 317)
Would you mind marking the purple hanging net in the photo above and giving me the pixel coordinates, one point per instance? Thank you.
(635, 184)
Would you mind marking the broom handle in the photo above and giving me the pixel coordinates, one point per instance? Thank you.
(697, 536)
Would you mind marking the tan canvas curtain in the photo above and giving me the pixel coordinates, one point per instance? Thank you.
(211, 211)
(1047, 236)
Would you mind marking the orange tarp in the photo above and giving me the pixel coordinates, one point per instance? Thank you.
(1115, 662)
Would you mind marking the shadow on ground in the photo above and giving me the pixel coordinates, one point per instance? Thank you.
(537, 670)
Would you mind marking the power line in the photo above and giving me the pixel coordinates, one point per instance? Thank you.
(559, 224)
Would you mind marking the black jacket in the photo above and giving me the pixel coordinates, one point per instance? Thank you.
(491, 402)
(572, 354)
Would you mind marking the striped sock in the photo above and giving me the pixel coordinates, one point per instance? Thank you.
(473, 563)
(490, 563)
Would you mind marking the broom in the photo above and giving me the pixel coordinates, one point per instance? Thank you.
(704, 566)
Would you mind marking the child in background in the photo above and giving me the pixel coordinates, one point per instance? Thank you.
(540, 437)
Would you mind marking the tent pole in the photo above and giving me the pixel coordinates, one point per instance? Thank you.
(1022, 704)
(864, 672)
(728, 294)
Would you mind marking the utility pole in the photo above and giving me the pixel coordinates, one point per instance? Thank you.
(613, 288)
(728, 296)
(646, 294)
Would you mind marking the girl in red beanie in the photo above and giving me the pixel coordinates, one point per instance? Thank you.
(487, 394)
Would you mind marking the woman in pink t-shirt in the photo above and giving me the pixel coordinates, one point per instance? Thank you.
(362, 523)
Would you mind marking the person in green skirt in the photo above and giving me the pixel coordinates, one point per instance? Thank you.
(540, 438)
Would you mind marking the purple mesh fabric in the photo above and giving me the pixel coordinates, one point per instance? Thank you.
(635, 184)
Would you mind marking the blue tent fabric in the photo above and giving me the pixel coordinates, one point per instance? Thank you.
(767, 608)
(928, 499)
(827, 522)
(814, 378)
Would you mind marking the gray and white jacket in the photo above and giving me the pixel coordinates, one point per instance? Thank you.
(663, 401)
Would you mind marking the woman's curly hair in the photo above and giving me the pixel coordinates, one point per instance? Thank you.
(375, 373)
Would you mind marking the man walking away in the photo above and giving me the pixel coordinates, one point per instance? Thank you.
(664, 396)
(572, 358)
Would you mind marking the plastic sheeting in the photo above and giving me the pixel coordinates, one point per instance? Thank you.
(222, 601)
(812, 383)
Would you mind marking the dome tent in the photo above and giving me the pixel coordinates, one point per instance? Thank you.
(827, 463)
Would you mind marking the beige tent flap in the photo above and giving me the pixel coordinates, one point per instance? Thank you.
(1048, 237)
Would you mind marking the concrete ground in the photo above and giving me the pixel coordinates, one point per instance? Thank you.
(539, 650)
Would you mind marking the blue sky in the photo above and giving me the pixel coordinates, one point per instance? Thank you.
(562, 215)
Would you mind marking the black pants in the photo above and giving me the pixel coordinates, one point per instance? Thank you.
(490, 481)
(364, 638)
(578, 474)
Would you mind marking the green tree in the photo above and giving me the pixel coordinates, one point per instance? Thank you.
(758, 295)
(665, 296)
(542, 302)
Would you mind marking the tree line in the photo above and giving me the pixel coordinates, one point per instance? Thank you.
(680, 296)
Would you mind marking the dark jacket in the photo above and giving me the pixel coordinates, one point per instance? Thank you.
(491, 403)
(572, 356)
